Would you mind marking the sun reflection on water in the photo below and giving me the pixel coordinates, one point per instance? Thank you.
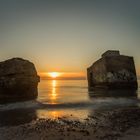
(53, 96)
(57, 94)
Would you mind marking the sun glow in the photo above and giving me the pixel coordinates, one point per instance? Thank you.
(62, 75)
(54, 74)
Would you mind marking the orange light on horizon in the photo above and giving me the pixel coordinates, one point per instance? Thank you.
(62, 75)
(54, 74)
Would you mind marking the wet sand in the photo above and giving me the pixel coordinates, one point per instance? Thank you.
(110, 125)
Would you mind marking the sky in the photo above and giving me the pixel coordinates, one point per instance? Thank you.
(68, 35)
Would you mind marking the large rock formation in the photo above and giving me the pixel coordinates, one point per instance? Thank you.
(18, 80)
(113, 71)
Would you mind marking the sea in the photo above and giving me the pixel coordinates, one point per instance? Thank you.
(66, 99)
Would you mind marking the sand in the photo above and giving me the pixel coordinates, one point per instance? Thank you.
(123, 124)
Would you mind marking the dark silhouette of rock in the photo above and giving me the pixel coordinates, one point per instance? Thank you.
(18, 80)
(19, 117)
(113, 71)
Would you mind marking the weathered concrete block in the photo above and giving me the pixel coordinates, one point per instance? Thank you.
(18, 80)
(112, 71)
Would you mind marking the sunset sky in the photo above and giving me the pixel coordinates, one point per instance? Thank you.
(67, 36)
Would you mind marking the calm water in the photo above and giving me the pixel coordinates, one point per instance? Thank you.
(65, 98)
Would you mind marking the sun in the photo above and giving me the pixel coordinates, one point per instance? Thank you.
(54, 74)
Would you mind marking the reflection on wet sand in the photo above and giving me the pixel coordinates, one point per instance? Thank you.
(62, 113)
(53, 114)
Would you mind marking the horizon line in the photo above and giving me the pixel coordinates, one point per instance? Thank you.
(63, 78)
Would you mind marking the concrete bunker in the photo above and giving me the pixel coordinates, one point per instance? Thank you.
(112, 71)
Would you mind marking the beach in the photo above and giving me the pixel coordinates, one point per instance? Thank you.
(110, 125)
(66, 110)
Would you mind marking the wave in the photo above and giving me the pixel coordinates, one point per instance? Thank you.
(95, 104)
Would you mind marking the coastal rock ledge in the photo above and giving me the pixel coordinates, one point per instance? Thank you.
(18, 80)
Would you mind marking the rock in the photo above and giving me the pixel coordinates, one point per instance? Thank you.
(113, 71)
(18, 80)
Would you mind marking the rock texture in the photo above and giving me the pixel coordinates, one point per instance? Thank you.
(18, 80)
(113, 71)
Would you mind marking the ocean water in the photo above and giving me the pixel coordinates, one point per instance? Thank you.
(66, 98)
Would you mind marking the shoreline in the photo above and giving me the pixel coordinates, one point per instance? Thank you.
(109, 125)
